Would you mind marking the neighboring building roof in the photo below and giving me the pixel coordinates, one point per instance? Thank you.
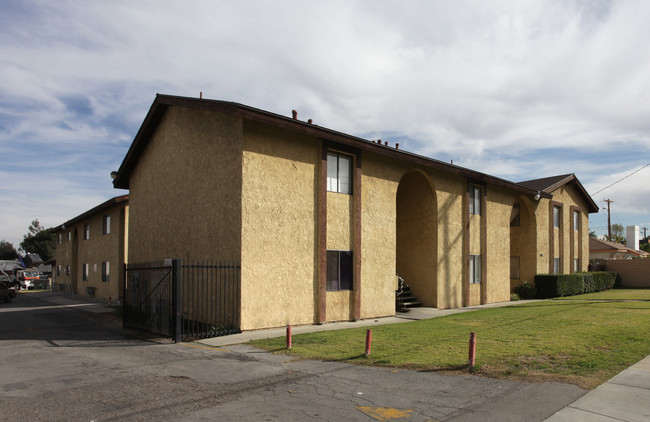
(597, 245)
(550, 184)
(163, 102)
(101, 207)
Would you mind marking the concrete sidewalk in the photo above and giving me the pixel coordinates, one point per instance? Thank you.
(626, 397)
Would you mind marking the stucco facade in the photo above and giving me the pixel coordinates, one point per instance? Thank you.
(91, 250)
(217, 180)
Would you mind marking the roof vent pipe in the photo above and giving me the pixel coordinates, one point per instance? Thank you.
(386, 143)
(309, 121)
(201, 95)
(295, 114)
(396, 146)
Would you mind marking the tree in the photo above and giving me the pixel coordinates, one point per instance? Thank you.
(40, 241)
(644, 244)
(592, 234)
(7, 250)
(617, 234)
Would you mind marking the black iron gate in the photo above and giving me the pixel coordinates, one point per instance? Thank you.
(182, 301)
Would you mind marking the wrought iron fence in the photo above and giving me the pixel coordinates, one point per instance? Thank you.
(182, 301)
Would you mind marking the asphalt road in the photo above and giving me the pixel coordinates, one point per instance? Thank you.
(61, 362)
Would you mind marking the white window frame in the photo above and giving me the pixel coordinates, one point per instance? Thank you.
(339, 172)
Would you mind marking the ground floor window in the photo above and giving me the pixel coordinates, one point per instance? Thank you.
(514, 267)
(339, 270)
(475, 269)
(84, 272)
(556, 265)
(105, 271)
(576, 264)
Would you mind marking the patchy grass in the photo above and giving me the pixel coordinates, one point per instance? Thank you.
(579, 342)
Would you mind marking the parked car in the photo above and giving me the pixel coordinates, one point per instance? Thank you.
(6, 293)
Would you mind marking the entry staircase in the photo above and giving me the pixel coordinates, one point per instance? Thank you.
(404, 298)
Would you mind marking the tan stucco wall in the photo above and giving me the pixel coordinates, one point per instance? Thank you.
(568, 196)
(185, 192)
(279, 228)
(499, 207)
(378, 237)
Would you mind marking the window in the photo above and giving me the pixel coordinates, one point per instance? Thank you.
(105, 271)
(84, 272)
(86, 231)
(514, 267)
(474, 199)
(556, 265)
(67, 270)
(557, 214)
(60, 238)
(339, 169)
(576, 220)
(475, 269)
(339, 270)
(106, 224)
(576, 264)
(58, 270)
(515, 215)
(69, 236)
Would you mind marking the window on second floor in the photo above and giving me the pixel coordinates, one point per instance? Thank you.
(86, 231)
(474, 193)
(106, 224)
(557, 216)
(576, 220)
(339, 171)
(69, 236)
(60, 238)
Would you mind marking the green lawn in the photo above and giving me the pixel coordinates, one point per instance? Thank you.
(583, 342)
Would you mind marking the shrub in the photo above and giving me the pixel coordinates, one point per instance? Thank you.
(514, 297)
(526, 290)
(554, 285)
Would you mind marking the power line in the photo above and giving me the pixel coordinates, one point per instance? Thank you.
(636, 171)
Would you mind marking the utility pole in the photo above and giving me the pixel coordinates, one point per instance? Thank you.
(609, 220)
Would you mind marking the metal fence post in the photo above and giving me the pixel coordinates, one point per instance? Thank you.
(176, 299)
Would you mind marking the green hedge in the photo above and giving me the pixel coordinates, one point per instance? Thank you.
(554, 285)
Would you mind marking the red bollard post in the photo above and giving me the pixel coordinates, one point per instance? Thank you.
(288, 336)
(368, 341)
(472, 349)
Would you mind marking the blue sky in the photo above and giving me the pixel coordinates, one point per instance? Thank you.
(518, 89)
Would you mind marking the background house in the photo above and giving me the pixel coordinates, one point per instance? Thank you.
(322, 221)
(91, 250)
(606, 250)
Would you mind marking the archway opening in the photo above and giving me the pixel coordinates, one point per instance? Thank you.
(417, 236)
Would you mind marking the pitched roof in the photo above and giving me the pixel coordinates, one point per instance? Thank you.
(92, 211)
(550, 184)
(597, 245)
(163, 102)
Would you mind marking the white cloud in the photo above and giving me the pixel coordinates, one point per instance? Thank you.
(519, 89)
